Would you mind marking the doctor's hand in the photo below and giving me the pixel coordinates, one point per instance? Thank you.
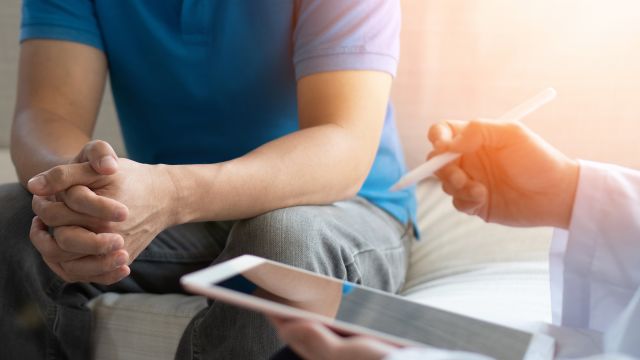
(314, 341)
(507, 174)
(89, 215)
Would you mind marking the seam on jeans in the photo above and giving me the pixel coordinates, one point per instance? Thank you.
(360, 252)
(52, 349)
(408, 229)
(56, 284)
(195, 340)
(387, 249)
(358, 279)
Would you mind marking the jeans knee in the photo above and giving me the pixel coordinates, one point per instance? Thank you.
(299, 236)
(15, 218)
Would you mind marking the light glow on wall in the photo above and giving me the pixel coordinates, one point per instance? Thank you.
(475, 58)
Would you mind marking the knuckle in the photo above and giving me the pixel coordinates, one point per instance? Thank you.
(102, 245)
(62, 238)
(75, 195)
(36, 205)
(99, 148)
(107, 263)
(69, 269)
(39, 244)
(57, 175)
(89, 144)
(446, 187)
(55, 258)
(99, 144)
(49, 215)
(94, 145)
(100, 226)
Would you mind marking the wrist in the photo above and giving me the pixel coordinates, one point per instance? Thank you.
(172, 193)
(568, 195)
(189, 192)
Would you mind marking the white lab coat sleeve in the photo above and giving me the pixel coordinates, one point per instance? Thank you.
(595, 265)
(433, 354)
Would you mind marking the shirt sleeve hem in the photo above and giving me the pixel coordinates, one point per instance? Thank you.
(556, 271)
(575, 256)
(346, 61)
(61, 32)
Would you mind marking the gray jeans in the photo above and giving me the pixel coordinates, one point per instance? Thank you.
(43, 317)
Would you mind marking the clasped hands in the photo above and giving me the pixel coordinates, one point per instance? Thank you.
(96, 214)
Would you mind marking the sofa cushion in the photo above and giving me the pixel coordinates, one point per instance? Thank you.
(141, 326)
(453, 242)
(484, 270)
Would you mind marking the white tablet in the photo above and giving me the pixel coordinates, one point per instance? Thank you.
(276, 289)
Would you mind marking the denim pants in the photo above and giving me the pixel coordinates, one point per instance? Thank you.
(43, 317)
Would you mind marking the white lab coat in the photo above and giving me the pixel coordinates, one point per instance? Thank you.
(595, 265)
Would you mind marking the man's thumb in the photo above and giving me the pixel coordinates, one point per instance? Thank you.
(102, 157)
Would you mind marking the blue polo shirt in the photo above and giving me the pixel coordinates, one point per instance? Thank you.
(205, 81)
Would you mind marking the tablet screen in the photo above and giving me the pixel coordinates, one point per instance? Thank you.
(386, 313)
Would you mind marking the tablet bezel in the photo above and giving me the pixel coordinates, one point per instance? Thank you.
(204, 282)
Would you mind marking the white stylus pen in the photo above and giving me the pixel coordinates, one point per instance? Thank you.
(437, 162)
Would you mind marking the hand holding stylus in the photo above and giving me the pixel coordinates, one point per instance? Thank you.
(506, 173)
(430, 167)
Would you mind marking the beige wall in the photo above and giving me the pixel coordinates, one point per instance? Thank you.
(471, 58)
(9, 23)
(477, 58)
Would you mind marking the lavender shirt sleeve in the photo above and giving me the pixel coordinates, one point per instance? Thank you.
(334, 35)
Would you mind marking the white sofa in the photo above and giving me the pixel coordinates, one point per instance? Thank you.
(461, 264)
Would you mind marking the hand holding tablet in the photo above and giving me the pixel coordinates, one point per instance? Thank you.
(282, 291)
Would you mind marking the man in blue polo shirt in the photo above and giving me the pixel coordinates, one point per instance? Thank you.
(257, 127)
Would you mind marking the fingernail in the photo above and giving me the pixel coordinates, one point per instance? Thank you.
(119, 215)
(38, 182)
(121, 260)
(116, 244)
(108, 162)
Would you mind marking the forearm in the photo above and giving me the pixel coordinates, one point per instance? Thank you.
(317, 165)
(41, 140)
(60, 86)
